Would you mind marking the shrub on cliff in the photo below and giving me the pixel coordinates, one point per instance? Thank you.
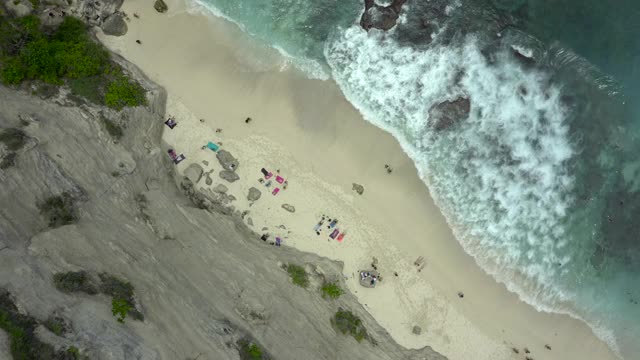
(74, 281)
(59, 210)
(298, 275)
(123, 92)
(65, 55)
(348, 323)
(331, 290)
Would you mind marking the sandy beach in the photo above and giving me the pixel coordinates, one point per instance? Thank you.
(321, 146)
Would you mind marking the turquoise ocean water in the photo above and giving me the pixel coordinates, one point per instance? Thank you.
(541, 182)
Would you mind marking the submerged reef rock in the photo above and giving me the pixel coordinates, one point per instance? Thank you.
(380, 17)
(445, 114)
(160, 6)
(115, 25)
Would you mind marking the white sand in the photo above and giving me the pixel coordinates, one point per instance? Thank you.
(322, 145)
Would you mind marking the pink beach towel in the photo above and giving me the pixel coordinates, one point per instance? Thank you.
(341, 237)
(269, 176)
(275, 191)
(279, 179)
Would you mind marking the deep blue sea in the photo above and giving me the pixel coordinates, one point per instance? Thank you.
(541, 182)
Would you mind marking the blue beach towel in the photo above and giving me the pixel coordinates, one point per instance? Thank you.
(212, 146)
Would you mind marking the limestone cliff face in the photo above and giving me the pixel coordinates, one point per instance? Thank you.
(202, 278)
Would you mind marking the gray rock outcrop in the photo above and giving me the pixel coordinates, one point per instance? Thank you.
(358, 188)
(254, 194)
(417, 330)
(193, 251)
(289, 208)
(194, 172)
(229, 175)
(380, 17)
(447, 113)
(115, 25)
(227, 161)
(160, 6)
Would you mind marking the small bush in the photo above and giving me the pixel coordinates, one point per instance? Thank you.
(348, 323)
(298, 275)
(56, 325)
(123, 92)
(120, 308)
(250, 351)
(59, 210)
(112, 128)
(331, 290)
(74, 281)
(8, 161)
(120, 290)
(14, 139)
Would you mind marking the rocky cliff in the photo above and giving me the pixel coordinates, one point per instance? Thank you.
(203, 281)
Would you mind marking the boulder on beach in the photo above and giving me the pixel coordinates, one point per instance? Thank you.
(114, 25)
(358, 188)
(221, 189)
(227, 161)
(417, 330)
(193, 173)
(229, 175)
(160, 6)
(254, 194)
(289, 208)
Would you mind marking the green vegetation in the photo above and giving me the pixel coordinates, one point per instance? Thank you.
(122, 296)
(298, 275)
(250, 351)
(120, 308)
(331, 290)
(74, 281)
(56, 325)
(13, 139)
(66, 55)
(24, 345)
(59, 210)
(348, 323)
(124, 92)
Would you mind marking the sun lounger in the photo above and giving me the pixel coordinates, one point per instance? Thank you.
(179, 158)
(213, 146)
(275, 191)
(334, 233)
(279, 179)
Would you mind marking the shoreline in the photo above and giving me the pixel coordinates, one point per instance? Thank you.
(317, 125)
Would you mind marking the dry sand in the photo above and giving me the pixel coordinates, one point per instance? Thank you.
(321, 145)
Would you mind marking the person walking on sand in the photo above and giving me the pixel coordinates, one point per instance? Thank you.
(247, 120)
(389, 169)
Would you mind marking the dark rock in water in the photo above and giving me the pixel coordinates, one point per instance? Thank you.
(358, 188)
(193, 173)
(254, 194)
(229, 175)
(160, 6)
(289, 208)
(115, 25)
(417, 330)
(227, 160)
(447, 113)
(380, 17)
(523, 58)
